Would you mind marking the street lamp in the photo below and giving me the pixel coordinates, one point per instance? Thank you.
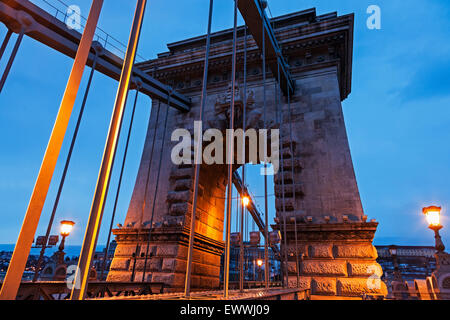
(66, 229)
(433, 216)
(246, 201)
(393, 253)
(259, 262)
(294, 219)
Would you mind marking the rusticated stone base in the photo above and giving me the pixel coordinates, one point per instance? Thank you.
(335, 259)
(167, 258)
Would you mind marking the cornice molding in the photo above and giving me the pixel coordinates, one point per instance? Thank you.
(305, 45)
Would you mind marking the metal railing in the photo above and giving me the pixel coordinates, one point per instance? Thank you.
(59, 290)
(60, 10)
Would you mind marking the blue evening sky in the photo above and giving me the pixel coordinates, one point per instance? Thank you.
(397, 115)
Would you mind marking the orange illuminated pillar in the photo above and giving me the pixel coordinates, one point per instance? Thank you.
(25, 241)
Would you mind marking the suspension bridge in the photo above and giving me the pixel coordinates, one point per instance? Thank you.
(288, 73)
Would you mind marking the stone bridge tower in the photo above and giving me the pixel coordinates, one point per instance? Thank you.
(334, 234)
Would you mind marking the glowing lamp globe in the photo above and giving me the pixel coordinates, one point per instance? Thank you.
(246, 201)
(259, 262)
(393, 250)
(66, 227)
(433, 216)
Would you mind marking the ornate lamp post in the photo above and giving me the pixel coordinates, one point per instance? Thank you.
(433, 215)
(259, 263)
(294, 219)
(399, 289)
(442, 273)
(245, 204)
(393, 253)
(66, 229)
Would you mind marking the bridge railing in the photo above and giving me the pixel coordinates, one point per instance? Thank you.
(60, 10)
(59, 290)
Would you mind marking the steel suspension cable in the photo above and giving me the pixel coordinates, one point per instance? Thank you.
(157, 186)
(5, 43)
(236, 226)
(293, 179)
(291, 143)
(12, 57)
(119, 185)
(243, 207)
(230, 157)
(280, 115)
(266, 204)
(187, 284)
(66, 166)
(147, 182)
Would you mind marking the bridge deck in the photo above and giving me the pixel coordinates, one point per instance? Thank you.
(252, 294)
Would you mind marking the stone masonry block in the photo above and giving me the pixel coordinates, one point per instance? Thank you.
(120, 264)
(289, 190)
(173, 279)
(304, 282)
(167, 250)
(292, 267)
(182, 185)
(288, 204)
(179, 196)
(355, 287)
(287, 177)
(355, 250)
(125, 250)
(173, 265)
(321, 251)
(155, 264)
(118, 276)
(180, 209)
(324, 268)
(364, 269)
(182, 173)
(323, 286)
(288, 163)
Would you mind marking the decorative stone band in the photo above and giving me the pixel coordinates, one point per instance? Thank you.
(358, 231)
(179, 235)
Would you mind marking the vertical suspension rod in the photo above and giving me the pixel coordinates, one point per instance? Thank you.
(291, 146)
(156, 187)
(187, 285)
(66, 167)
(98, 203)
(243, 208)
(266, 200)
(119, 185)
(296, 252)
(280, 115)
(144, 202)
(230, 158)
(5, 43)
(11, 58)
(293, 183)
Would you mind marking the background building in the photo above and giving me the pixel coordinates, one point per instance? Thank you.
(413, 262)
